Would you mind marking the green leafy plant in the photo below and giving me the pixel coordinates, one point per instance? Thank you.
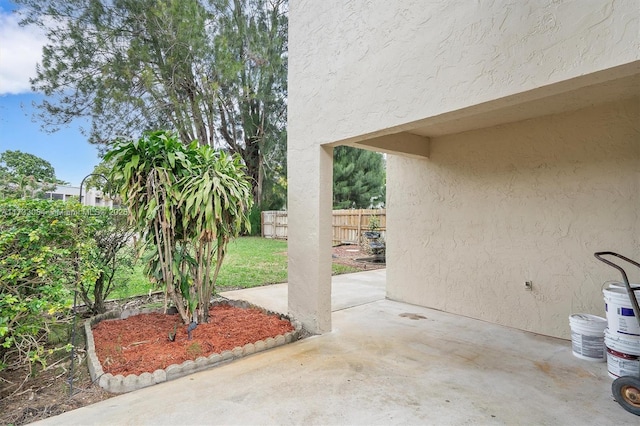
(37, 269)
(374, 223)
(186, 202)
(106, 247)
(48, 249)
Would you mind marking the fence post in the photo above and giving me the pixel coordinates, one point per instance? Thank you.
(359, 227)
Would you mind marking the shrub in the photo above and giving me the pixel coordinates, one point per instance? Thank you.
(255, 219)
(37, 269)
(105, 248)
(47, 250)
(186, 202)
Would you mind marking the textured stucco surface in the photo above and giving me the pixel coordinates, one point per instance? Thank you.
(361, 71)
(531, 200)
(360, 67)
(309, 234)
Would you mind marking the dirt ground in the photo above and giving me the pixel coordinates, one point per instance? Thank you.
(26, 398)
(348, 255)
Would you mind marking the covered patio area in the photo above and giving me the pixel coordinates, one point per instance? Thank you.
(384, 362)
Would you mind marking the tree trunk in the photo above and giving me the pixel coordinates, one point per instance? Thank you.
(98, 299)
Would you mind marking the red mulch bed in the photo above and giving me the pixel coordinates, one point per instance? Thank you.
(141, 343)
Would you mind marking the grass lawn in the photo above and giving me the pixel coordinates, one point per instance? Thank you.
(250, 262)
(137, 283)
(253, 261)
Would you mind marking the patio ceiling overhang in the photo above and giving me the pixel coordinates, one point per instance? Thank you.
(403, 143)
(413, 139)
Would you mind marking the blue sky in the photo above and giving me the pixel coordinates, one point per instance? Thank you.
(67, 150)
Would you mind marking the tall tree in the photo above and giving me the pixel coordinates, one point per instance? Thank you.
(213, 71)
(252, 101)
(24, 175)
(358, 178)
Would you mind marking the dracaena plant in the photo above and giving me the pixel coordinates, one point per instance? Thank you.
(186, 202)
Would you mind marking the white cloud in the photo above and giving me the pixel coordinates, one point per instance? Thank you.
(20, 51)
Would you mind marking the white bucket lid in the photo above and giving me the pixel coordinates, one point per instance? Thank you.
(620, 284)
(586, 319)
(619, 291)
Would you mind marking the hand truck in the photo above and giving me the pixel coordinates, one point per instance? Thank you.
(626, 389)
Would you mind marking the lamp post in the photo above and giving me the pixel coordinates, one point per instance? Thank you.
(75, 299)
(91, 174)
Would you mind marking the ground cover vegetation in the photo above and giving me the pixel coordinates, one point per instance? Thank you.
(249, 262)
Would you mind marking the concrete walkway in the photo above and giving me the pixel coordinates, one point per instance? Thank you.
(384, 363)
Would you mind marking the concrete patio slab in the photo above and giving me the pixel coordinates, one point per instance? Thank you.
(347, 290)
(385, 362)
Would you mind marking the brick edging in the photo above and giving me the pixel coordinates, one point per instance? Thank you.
(122, 384)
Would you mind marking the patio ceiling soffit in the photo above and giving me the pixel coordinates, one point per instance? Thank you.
(406, 144)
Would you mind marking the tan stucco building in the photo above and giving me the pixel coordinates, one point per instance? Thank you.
(513, 134)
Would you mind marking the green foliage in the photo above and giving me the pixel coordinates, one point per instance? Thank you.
(106, 248)
(274, 195)
(374, 223)
(24, 175)
(98, 180)
(187, 202)
(212, 70)
(37, 268)
(255, 219)
(137, 282)
(251, 50)
(358, 178)
(249, 262)
(48, 249)
(338, 269)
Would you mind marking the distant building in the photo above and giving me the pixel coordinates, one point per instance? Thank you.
(90, 197)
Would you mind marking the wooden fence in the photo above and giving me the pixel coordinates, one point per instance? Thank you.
(348, 225)
(274, 224)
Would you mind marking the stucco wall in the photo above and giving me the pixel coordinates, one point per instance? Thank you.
(361, 69)
(531, 200)
(357, 67)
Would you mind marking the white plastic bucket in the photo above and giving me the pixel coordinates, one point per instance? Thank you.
(620, 318)
(587, 336)
(623, 354)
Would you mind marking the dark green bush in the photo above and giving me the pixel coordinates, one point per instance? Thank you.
(255, 218)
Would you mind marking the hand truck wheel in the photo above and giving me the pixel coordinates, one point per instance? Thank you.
(626, 391)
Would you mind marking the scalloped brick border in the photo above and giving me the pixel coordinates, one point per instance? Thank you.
(122, 384)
